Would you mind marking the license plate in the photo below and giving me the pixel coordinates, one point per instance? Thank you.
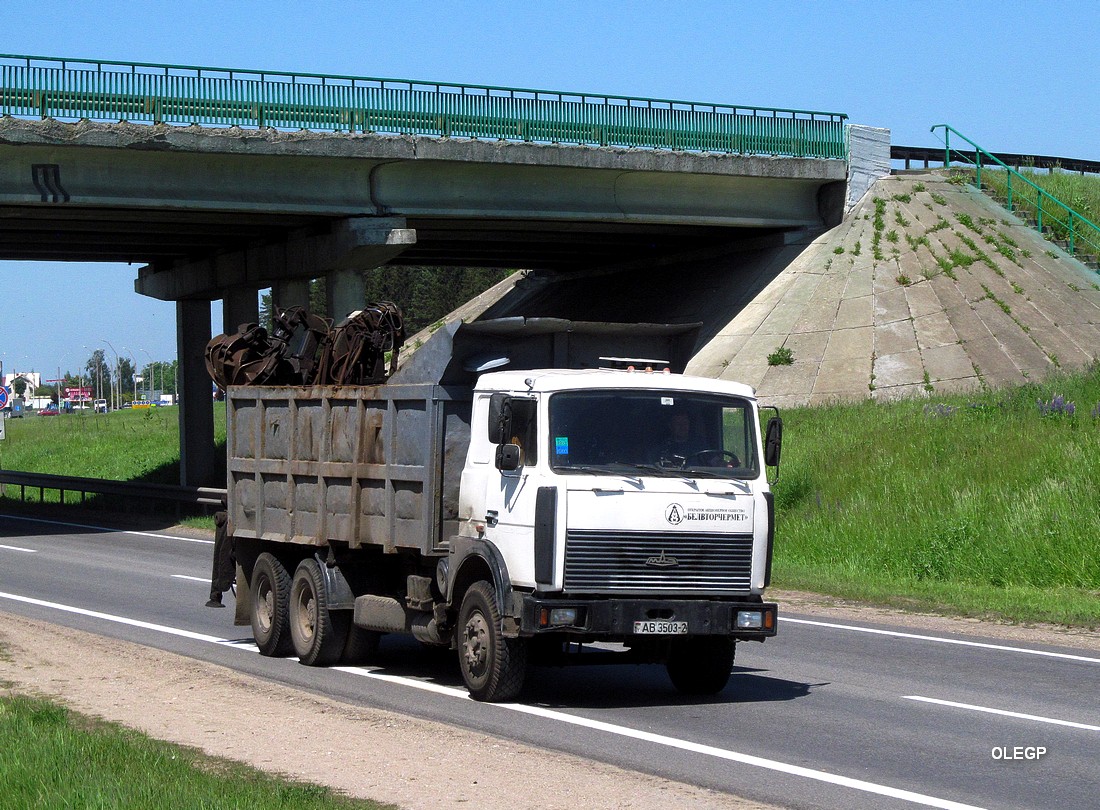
(661, 628)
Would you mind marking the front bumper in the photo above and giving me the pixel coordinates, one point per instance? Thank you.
(613, 619)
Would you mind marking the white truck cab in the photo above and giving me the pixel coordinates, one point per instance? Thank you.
(624, 506)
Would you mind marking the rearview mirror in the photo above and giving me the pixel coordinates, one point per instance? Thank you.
(500, 418)
(773, 441)
(508, 457)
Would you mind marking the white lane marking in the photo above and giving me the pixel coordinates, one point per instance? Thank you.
(108, 529)
(942, 640)
(19, 548)
(673, 742)
(160, 628)
(986, 709)
(549, 714)
(193, 579)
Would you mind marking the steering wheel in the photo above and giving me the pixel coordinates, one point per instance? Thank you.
(730, 458)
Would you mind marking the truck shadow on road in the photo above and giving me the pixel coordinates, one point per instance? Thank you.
(591, 686)
(641, 685)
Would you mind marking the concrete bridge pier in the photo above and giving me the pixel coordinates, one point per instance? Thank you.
(239, 305)
(290, 293)
(345, 292)
(198, 460)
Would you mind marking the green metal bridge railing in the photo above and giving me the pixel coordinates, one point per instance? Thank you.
(50, 87)
(1050, 214)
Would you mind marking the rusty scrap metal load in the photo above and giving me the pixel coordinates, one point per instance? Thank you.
(305, 349)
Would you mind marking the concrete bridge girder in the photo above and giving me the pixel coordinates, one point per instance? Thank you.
(353, 244)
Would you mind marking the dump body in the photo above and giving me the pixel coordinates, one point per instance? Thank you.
(362, 465)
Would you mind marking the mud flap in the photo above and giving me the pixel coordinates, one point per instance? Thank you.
(224, 567)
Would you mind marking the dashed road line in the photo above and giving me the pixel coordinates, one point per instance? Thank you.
(1004, 712)
(20, 548)
(108, 529)
(944, 640)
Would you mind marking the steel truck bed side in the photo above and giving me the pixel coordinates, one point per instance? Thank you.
(363, 465)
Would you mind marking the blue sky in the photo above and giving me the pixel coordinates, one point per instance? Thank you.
(1014, 76)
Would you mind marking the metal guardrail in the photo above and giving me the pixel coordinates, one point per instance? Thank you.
(135, 491)
(53, 87)
(1050, 214)
(929, 155)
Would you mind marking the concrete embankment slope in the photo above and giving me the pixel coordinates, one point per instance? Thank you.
(960, 296)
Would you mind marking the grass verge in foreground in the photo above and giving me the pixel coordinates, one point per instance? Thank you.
(51, 757)
(979, 505)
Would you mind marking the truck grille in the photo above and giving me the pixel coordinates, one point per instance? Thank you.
(655, 562)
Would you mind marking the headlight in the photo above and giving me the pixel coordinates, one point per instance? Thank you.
(750, 619)
(563, 617)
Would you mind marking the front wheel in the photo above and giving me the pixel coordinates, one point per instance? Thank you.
(493, 666)
(318, 634)
(700, 665)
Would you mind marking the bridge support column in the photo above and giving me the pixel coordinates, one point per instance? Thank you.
(345, 292)
(290, 293)
(196, 417)
(239, 305)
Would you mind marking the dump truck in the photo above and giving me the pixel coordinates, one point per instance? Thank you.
(513, 493)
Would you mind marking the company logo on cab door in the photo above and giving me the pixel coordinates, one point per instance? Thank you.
(677, 514)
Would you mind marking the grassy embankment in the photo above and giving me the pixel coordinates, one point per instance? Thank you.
(50, 757)
(981, 505)
(1079, 192)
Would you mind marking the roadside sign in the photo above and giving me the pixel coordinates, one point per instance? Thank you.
(3, 397)
(2, 422)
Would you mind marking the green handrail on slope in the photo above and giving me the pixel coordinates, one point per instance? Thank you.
(1076, 227)
(144, 92)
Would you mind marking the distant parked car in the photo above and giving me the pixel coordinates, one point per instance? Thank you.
(49, 410)
(100, 406)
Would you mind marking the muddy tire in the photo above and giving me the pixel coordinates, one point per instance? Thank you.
(493, 666)
(317, 633)
(269, 613)
(701, 665)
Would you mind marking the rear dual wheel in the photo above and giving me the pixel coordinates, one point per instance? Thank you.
(317, 633)
(270, 586)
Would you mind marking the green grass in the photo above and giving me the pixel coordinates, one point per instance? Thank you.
(782, 356)
(51, 757)
(126, 445)
(1079, 192)
(976, 505)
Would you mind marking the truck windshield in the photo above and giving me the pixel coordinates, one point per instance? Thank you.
(665, 433)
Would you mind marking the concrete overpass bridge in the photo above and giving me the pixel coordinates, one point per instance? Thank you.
(219, 183)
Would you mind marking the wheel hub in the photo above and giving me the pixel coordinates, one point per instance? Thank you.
(266, 612)
(475, 647)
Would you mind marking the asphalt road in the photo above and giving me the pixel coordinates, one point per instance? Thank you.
(827, 715)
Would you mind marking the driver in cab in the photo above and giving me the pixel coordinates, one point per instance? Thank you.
(684, 439)
(687, 445)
